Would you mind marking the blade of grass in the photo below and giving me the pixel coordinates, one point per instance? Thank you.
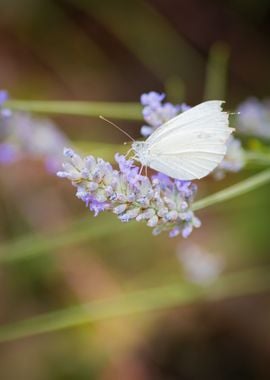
(233, 285)
(127, 111)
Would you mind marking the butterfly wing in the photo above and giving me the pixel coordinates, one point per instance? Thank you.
(192, 144)
(193, 115)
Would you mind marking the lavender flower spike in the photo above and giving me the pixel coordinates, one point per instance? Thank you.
(22, 135)
(163, 204)
(234, 160)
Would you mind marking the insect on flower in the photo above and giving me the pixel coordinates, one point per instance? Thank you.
(190, 145)
(184, 147)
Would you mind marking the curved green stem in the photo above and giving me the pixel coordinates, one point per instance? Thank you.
(238, 284)
(233, 191)
(127, 111)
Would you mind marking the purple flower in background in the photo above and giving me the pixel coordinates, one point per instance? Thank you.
(199, 265)
(163, 204)
(233, 161)
(152, 98)
(254, 118)
(3, 97)
(22, 135)
(4, 112)
(156, 113)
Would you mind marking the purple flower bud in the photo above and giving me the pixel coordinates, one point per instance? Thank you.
(130, 214)
(152, 98)
(174, 232)
(184, 205)
(184, 107)
(196, 222)
(100, 196)
(146, 130)
(186, 231)
(62, 174)
(97, 207)
(69, 153)
(162, 212)
(120, 209)
(152, 222)
(83, 195)
(3, 97)
(157, 230)
(171, 216)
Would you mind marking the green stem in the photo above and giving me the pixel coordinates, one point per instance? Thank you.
(257, 158)
(128, 111)
(236, 190)
(238, 284)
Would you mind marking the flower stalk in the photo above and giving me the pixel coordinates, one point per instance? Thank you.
(233, 191)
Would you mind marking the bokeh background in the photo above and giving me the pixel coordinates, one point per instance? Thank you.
(115, 51)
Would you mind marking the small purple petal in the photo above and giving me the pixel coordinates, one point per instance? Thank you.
(186, 231)
(152, 98)
(3, 97)
(8, 153)
(6, 113)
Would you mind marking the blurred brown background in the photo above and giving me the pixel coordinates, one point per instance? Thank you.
(114, 51)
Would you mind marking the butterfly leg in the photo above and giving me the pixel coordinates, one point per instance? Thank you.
(141, 169)
(128, 152)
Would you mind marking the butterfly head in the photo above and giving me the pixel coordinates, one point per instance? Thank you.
(141, 152)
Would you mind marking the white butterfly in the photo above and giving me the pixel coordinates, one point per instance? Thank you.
(190, 145)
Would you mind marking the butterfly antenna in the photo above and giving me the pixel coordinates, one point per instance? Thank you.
(117, 127)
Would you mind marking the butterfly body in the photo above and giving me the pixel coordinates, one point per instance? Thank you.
(190, 145)
(142, 153)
